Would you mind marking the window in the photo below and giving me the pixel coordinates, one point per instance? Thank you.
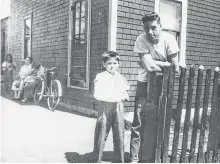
(27, 37)
(3, 44)
(79, 44)
(173, 15)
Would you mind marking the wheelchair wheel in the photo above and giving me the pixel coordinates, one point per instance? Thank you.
(54, 97)
(39, 91)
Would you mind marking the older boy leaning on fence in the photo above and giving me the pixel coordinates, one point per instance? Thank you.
(156, 50)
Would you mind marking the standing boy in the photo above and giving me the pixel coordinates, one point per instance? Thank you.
(110, 90)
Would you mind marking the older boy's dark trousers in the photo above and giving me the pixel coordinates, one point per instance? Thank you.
(141, 93)
(109, 115)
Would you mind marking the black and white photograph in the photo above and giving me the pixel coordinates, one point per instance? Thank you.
(110, 81)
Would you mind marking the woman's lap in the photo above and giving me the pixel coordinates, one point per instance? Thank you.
(16, 85)
(30, 88)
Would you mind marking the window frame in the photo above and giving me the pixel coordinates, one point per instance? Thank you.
(23, 37)
(70, 44)
(182, 38)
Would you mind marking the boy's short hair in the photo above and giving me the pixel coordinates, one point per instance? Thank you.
(151, 16)
(110, 54)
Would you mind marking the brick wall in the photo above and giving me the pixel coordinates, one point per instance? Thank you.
(50, 29)
(4, 38)
(129, 27)
(202, 44)
(50, 38)
(203, 33)
(203, 38)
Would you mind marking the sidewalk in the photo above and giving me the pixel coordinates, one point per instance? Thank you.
(34, 134)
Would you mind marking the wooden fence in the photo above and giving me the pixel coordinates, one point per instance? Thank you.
(191, 134)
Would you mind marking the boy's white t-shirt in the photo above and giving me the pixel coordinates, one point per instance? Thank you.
(166, 46)
(109, 87)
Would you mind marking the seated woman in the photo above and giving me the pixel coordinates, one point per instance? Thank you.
(18, 84)
(31, 82)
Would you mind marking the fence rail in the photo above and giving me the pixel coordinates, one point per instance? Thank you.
(190, 134)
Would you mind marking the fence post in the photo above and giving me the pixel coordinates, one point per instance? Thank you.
(178, 116)
(196, 114)
(168, 115)
(149, 114)
(188, 113)
(161, 112)
(213, 126)
(218, 132)
(204, 116)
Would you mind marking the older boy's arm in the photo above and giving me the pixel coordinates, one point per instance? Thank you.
(161, 63)
(173, 58)
(150, 64)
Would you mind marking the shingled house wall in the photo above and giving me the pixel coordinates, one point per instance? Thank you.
(50, 30)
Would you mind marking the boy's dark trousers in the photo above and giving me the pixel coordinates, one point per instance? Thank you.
(109, 115)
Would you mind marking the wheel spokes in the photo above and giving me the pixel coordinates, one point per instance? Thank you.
(53, 97)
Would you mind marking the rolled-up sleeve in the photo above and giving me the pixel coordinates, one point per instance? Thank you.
(172, 45)
(140, 45)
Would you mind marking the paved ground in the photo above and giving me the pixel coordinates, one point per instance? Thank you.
(31, 133)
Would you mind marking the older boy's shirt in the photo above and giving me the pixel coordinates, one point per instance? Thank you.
(166, 46)
(109, 87)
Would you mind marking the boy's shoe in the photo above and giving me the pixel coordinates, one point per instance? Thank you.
(24, 100)
(134, 161)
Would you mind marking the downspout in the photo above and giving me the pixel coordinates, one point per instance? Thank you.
(112, 25)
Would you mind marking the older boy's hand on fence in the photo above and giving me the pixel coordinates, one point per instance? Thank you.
(125, 97)
(176, 68)
(166, 64)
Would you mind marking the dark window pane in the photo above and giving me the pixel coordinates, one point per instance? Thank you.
(26, 48)
(27, 26)
(78, 61)
(77, 26)
(82, 39)
(82, 26)
(78, 73)
(77, 10)
(77, 40)
(83, 8)
(78, 83)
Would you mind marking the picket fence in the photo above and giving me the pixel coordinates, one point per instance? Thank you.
(198, 139)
